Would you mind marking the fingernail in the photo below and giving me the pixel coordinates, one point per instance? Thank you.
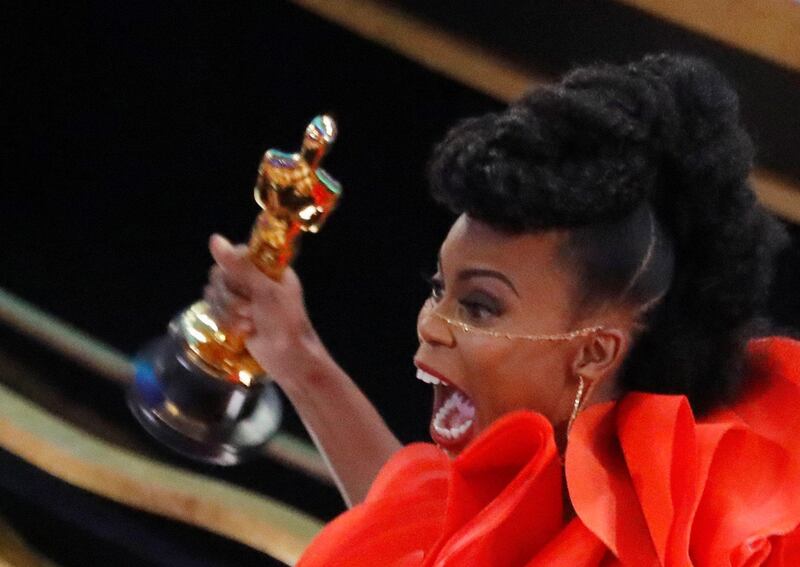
(219, 241)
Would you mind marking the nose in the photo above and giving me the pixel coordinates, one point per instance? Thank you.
(431, 329)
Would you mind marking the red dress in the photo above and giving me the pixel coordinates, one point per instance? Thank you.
(650, 485)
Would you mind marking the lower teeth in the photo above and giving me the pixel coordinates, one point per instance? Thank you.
(455, 402)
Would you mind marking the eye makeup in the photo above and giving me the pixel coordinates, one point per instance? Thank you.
(475, 305)
(481, 306)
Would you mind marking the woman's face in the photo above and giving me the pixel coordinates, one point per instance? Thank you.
(508, 283)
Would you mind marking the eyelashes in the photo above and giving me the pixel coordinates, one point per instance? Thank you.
(476, 306)
(435, 284)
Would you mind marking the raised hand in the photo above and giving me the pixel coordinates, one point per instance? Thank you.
(271, 313)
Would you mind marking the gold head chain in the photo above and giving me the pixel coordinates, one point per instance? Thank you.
(467, 328)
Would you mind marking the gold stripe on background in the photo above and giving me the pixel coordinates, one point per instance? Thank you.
(15, 551)
(426, 44)
(87, 462)
(768, 28)
(482, 70)
(778, 194)
(108, 362)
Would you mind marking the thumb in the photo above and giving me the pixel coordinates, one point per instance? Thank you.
(234, 260)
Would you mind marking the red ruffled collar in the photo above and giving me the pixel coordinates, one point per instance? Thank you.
(650, 486)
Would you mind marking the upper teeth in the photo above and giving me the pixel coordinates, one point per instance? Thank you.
(427, 378)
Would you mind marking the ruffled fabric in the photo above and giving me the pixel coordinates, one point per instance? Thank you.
(650, 485)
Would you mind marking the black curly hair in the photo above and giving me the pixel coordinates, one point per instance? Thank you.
(647, 166)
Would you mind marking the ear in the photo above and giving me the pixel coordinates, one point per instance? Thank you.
(599, 357)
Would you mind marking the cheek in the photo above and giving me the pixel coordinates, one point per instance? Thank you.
(507, 377)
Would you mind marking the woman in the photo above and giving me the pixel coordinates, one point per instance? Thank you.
(597, 401)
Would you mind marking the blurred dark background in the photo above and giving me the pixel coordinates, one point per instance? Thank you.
(135, 132)
(132, 131)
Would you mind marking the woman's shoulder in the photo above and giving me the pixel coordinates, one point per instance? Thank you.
(654, 483)
(648, 481)
(774, 358)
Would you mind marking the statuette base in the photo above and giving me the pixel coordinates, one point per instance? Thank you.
(182, 404)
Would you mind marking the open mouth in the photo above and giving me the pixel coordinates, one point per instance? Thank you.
(453, 416)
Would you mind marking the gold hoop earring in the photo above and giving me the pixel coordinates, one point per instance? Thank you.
(576, 406)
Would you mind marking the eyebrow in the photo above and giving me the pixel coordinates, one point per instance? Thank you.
(477, 273)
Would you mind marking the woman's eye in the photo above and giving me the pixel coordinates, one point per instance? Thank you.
(477, 311)
(480, 307)
(437, 287)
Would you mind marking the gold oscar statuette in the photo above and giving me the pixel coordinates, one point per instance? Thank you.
(197, 389)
